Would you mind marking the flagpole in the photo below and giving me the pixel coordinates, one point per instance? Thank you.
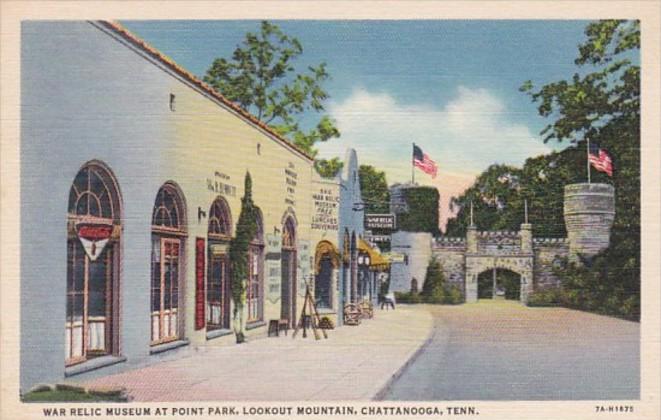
(587, 145)
(413, 164)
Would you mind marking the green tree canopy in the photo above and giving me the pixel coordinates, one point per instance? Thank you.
(374, 189)
(603, 104)
(422, 214)
(328, 168)
(261, 78)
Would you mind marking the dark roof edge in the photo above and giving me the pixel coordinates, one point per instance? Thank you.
(152, 52)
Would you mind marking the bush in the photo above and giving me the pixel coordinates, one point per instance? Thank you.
(453, 295)
(433, 289)
(407, 297)
(552, 296)
(608, 283)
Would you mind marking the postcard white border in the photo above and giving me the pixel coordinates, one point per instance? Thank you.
(649, 12)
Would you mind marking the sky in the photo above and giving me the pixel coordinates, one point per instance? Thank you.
(451, 87)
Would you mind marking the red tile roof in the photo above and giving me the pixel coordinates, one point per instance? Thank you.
(168, 62)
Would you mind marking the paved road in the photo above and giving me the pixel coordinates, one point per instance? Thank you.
(505, 351)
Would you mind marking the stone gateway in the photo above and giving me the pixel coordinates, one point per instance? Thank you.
(589, 210)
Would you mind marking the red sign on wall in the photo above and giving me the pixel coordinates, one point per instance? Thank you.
(199, 283)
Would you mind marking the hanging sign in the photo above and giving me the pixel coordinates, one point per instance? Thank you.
(94, 237)
(380, 221)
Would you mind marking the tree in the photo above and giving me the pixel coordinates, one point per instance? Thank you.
(422, 210)
(497, 202)
(246, 229)
(433, 289)
(374, 189)
(603, 104)
(328, 168)
(500, 192)
(261, 78)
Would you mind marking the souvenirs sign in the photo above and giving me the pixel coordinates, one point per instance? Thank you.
(324, 216)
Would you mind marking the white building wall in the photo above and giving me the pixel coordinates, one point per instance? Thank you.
(86, 94)
(417, 247)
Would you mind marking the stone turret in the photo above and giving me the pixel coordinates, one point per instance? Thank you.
(589, 210)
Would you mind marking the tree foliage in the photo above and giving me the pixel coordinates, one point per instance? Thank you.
(328, 168)
(261, 78)
(422, 214)
(246, 229)
(374, 189)
(435, 288)
(499, 194)
(604, 106)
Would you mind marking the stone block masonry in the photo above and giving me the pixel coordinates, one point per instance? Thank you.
(589, 211)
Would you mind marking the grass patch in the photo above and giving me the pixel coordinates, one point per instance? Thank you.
(68, 396)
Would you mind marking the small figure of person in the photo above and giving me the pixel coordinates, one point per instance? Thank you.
(388, 301)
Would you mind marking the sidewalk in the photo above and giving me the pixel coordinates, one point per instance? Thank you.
(354, 363)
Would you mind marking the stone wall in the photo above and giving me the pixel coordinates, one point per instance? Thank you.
(450, 253)
(589, 210)
(548, 252)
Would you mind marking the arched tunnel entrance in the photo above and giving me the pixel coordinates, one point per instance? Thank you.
(499, 283)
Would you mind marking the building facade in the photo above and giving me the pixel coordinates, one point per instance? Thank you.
(132, 174)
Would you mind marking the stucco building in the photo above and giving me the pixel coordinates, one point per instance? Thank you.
(132, 173)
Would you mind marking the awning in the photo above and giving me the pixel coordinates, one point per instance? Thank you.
(377, 261)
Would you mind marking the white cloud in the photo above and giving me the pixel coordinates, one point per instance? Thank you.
(471, 131)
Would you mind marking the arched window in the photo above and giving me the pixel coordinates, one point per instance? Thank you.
(289, 234)
(255, 286)
(93, 236)
(220, 222)
(168, 229)
(288, 262)
(168, 209)
(218, 283)
(94, 194)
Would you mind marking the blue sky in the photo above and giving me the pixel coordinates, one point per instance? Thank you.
(449, 86)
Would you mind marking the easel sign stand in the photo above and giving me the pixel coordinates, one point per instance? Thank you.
(309, 309)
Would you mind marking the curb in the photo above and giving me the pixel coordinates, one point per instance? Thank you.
(396, 375)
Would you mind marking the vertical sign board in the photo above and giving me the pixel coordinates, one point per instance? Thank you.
(199, 283)
(272, 267)
(303, 265)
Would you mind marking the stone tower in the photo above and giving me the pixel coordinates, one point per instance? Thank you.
(589, 210)
(414, 245)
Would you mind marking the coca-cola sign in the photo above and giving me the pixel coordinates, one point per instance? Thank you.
(94, 237)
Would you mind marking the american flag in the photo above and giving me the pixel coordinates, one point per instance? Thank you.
(600, 159)
(424, 162)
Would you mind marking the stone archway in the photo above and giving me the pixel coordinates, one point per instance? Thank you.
(499, 284)
(326, 270)
(522, 265)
